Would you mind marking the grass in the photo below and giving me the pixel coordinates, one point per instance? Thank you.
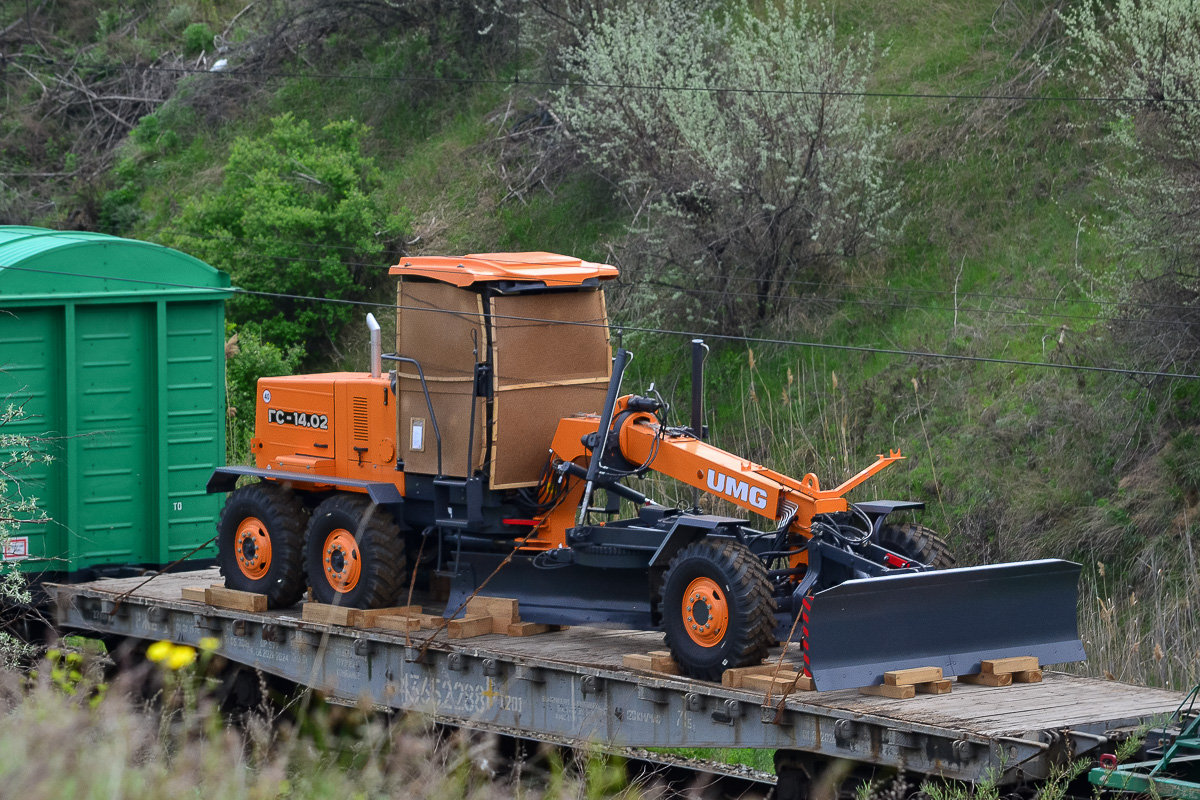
(55, 744)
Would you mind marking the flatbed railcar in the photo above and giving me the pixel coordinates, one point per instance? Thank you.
(570, 685)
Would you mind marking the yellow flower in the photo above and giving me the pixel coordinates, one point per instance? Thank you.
(159, 651)
(181, 657)
(209, 643)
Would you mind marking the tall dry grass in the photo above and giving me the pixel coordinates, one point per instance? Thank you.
(54, 746)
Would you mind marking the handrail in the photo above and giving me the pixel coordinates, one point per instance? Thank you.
(428, 402)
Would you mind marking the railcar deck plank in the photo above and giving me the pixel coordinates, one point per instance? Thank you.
(574, 680)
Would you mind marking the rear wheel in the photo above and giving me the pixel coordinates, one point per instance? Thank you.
(260, 543)
(917, 543)
(718, 612)
(355, 554)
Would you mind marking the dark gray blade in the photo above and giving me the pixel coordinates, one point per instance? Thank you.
(949, 618)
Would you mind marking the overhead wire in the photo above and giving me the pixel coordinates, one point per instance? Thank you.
(610, 86)
(232, 291)
(804, 299)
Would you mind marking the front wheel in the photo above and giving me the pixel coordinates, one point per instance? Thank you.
(355, 553)
(718, 611)
(260, 543)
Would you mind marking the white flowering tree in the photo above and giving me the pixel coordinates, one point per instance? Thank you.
(739, 140)
(1145, 55)
(18, 507)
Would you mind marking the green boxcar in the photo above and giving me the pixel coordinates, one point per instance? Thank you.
(116, 349)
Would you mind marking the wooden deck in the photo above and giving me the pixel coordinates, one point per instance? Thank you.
(1061, 702)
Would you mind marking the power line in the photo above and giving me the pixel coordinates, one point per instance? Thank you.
(791, 300)
(818, 299)
(546, 84)
(638, 329)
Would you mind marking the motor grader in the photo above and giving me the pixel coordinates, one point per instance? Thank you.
(497, 453)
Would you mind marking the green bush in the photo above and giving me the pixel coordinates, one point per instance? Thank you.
(248, 358)
(197, 38)
(297, 216)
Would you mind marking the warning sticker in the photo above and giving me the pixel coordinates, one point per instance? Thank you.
(16, 548)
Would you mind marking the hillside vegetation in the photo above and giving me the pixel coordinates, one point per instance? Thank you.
(962, 272)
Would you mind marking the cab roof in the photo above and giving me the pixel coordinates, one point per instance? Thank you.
(549, 269)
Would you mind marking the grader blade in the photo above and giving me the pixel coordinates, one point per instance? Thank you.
(951, 618)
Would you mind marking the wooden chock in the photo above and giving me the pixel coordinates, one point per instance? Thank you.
(469, 627)
(997, 666)
(908, 677)
(235, 600)
(987, 679)
(896, 692)
(329, 614)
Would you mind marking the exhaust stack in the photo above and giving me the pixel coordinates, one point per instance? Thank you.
(376, 346)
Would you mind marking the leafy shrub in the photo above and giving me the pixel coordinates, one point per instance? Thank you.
(297, 216)
(736, 194)
(248, 358)
(197, 38)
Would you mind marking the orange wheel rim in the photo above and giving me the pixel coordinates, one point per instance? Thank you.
(705, 612)
(340, 559)
(252, 547)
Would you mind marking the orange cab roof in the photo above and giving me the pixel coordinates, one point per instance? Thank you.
(548, 268)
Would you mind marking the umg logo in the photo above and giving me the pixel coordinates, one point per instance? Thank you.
(734, 489)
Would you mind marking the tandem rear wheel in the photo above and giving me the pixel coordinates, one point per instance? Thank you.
(718, 610)
(355, 553)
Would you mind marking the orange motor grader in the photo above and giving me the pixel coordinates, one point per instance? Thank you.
(497, 451)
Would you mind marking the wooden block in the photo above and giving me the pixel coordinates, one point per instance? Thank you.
(996, 666)
(985, 679)
(503, 610)
(661, 661)
(467, 627)
(934, 687)
(396, 623)
(1027, 676)
(733, 677)
(658, 661)
(639, 661)
(783, 683)
(330, 615)
(367, 618)
(527, 628)
(194, 593)
(238, 601)
(905, 677)
(895, 692)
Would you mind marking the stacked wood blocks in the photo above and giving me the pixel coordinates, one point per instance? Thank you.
(482, 615)
(1005, 672)
(767, 677)
(902, 684)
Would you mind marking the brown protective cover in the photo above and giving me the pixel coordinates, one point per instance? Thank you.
(434, 325)
(546, 368)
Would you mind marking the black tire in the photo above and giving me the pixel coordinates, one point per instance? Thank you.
(260, 543)
(726, 572)
(355, 553)
(917, 543)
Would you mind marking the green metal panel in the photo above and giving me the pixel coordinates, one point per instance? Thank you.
(117, 346)
(31, 377)
(114, 474)
(194, 422)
